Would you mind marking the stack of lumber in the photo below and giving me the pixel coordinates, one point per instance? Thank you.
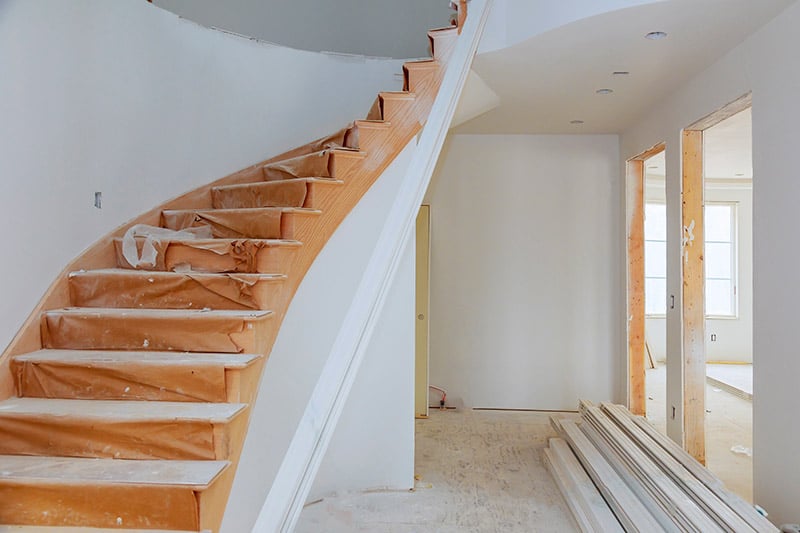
(617, 473)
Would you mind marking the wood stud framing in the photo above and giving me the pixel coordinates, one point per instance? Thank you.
(693, 287)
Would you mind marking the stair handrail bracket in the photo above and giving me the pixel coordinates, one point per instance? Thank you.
(294, 480)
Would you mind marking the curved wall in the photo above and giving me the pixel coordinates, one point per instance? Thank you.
(130, 100)
(376, 28)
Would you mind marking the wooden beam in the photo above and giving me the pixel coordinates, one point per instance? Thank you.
(712, 119)
(693, 287)
(588, 507)
(636, 309)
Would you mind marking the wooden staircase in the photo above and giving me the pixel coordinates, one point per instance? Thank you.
(127, 391)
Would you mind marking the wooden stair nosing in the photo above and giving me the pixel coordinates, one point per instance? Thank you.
(197, 475)
(122, 410)
(154, 358)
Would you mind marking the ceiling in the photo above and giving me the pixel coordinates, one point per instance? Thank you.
(548, 81)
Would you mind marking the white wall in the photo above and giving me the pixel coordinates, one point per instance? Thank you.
(734, 336)
(301, 349)
(376, 28)
(125, 98)
(525, 271)
(765, 63)
(373, 444)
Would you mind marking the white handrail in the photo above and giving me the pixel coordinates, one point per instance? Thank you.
(296, 475)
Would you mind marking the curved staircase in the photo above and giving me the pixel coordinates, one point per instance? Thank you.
(127, 390)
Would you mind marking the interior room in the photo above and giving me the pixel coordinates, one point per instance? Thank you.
(214, 319)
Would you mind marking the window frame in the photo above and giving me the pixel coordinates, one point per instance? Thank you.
(734, 242)
(734, 206)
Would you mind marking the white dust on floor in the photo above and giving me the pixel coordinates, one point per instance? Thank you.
(477, 471)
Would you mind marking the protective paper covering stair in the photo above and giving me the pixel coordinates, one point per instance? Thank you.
(135, 373)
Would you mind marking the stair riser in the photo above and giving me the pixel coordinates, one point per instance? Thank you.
(199, 334)
(372, 138)
(443, 44)
(343, 163)
(64, 436)
(116, 506)
(420, 77)
(132, 381)
(262, 224)
(394, 109)
(244, 257)
(179, 293)
(313, 196)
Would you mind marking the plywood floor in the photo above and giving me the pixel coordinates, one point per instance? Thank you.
(477, 470)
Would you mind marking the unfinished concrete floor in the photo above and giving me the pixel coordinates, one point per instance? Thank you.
(477, 471)
(729, 424)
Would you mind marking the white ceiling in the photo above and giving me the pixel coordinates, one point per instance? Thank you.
(545, 82)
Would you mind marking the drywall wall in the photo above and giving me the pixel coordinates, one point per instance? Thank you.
(376, 28)
(525, 271)
(373, 444)
(127, 99)
(734, 336)
(302, 347)
(765, 63)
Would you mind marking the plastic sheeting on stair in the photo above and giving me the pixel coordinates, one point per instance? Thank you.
(145, 255)
(195, 332)
(189, 290)
(315, 164)
(217, 255)
(44, 434)
(262, 224)
(115, 381)
(284, 193)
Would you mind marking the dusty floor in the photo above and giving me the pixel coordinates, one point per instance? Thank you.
(729, 424)
(478, 471)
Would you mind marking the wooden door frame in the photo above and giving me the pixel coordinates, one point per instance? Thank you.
(693, 318)
(635, 315)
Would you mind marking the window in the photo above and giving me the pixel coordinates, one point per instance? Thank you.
(720, 259)
(655, 259)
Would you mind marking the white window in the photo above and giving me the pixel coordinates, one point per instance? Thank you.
(720, 259)
(655, 259)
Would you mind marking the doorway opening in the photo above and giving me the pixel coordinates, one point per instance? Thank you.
(640, 353)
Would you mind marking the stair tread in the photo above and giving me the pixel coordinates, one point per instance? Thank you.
(73, 529)
(163, 274)
(248, 210)
(139, 410)
(66, 470)
(332, 181)
(203, 242)
(228, 360)
(398, 94)
(161, 313)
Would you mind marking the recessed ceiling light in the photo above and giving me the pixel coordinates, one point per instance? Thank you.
(656, 35)
(576, 122)
(620, 73)
(604, 91)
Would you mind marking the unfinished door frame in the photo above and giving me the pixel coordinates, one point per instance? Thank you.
(693, 317)
(635, 317)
